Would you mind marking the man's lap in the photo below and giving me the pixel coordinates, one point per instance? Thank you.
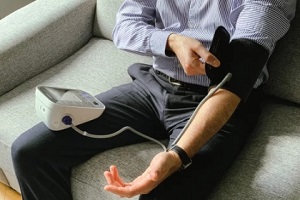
(147, 106)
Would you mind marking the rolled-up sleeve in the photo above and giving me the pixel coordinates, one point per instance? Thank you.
(263, 22)
(158, 42)
(135, 29)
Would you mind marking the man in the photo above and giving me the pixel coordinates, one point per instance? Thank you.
(161, 99)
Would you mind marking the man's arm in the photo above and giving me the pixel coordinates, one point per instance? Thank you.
(218, 109)
(135, 29)
(209, 119)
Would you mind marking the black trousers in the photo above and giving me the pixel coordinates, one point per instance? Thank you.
(43, 159)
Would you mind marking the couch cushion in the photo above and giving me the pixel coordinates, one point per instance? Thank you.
(96, 67)
(88, 180)
(268, 167)
(105, 18)
(284, 65)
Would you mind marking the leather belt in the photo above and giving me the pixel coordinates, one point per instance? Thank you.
(184, 85)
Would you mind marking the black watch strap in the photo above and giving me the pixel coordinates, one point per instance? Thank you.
(185, 159)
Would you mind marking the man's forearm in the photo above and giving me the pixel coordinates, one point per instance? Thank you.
(208, 121)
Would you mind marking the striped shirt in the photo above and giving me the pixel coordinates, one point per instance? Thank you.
(143, 27)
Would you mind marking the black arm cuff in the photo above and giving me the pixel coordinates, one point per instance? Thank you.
(244, 59)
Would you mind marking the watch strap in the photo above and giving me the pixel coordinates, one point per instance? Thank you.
(185, 159)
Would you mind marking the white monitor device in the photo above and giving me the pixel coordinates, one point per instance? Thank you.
(53, 104)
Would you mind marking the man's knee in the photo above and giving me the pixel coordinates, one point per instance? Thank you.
(21, 151)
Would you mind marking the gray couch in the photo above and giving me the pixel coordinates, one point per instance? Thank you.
(67, 43)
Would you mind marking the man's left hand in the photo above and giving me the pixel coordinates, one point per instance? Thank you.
(162, 165)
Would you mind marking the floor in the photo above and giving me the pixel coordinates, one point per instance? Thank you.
(6, 193)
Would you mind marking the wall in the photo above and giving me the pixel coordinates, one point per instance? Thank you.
(9, 6)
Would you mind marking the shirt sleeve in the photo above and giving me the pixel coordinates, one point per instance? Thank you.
(262, 21)
(135, 29)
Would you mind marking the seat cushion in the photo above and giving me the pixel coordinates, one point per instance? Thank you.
(88, 180)
(268, 167)
(96, 67)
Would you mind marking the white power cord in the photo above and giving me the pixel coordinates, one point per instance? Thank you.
(68, 121)
(117, 133)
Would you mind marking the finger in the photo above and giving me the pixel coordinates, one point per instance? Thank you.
(115, 173)
(193, 66)
(212, 60)
(111, 181)
(109, 177)
(198, 67)
(207, 57)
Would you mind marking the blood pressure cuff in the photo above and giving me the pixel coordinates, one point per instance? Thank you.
(244, 59)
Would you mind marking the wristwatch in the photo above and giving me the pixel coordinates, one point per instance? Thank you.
(185, 159)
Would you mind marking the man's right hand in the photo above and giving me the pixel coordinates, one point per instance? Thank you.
(191, 54)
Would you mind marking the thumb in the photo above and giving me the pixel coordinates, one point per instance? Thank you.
(157, 167)
(154, 175)
(208, 57)
(212, 60)
(155, 171)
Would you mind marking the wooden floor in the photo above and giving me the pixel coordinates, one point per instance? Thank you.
(6, 193)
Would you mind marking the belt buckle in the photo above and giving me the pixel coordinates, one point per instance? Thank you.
(173, 81)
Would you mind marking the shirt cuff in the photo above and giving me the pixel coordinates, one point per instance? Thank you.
(158, 42)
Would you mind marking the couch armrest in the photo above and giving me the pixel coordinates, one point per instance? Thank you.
(41, 35)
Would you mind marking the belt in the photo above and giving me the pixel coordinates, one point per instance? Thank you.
(183, 85)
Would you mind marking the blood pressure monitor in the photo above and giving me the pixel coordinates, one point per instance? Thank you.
(53, 104)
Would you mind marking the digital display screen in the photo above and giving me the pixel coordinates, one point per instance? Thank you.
(57, 94)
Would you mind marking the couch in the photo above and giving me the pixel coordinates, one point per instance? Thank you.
(68, 43)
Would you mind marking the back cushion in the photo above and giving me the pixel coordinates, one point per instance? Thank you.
(284, 64)
(105, 18)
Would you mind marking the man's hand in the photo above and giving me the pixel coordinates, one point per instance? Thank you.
(191, 54)
(162, 165)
